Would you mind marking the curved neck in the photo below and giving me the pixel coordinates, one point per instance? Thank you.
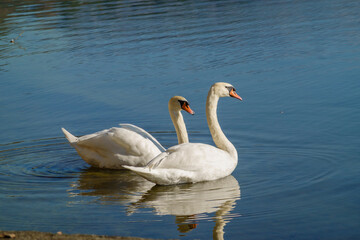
(179, 125)
(217, 134)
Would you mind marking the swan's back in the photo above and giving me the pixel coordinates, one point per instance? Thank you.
(190, 156)
(115, 147)
(189, 162)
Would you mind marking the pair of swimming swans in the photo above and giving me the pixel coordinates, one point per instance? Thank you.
(133, 148)
(128, 144)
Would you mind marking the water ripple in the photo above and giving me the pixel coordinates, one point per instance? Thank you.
(31, 160)
(287, 168)
(106, 58)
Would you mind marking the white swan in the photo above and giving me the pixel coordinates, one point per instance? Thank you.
(129, 144)
(196, 162)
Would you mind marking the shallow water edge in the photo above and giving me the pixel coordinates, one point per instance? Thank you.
(30, 235)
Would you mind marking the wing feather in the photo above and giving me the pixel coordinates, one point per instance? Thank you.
(143, 133)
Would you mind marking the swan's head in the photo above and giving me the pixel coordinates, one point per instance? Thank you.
(223, 89)
(178, 103)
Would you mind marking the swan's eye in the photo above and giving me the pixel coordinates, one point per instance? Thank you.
(230, 88)
(182, 103)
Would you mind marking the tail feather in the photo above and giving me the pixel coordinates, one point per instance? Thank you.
(164, 176)
(142, 171)
(71, 138)
(137, 169)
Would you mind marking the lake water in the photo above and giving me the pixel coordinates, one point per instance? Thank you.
(89, 65)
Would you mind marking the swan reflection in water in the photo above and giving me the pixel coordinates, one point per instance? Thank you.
(189, 203)
(110, 186)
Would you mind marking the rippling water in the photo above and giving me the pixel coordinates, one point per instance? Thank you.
(89, 65)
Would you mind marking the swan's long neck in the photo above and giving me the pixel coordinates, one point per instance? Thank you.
(179, 125)
(217, 134)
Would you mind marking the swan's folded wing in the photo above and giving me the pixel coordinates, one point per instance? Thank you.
(128, 139)
(190, 157)
(114, 147)
(143, 133)
(157, 160)
(164, 176)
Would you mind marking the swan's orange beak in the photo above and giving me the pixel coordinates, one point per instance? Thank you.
(235, 95)
(187, 108)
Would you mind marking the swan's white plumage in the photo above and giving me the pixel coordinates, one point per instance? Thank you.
(188, 162)
(143, 133)
(71, 138)
(114, 147)
(127, 144)
(196, 162)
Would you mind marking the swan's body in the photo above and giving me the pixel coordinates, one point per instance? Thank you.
(128, 144)
(196, 162)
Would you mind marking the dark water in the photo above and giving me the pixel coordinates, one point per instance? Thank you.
(89, 65)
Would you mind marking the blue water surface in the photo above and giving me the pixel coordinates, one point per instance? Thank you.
(89, 65)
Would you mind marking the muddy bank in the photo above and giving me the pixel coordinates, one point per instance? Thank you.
(32, 235)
